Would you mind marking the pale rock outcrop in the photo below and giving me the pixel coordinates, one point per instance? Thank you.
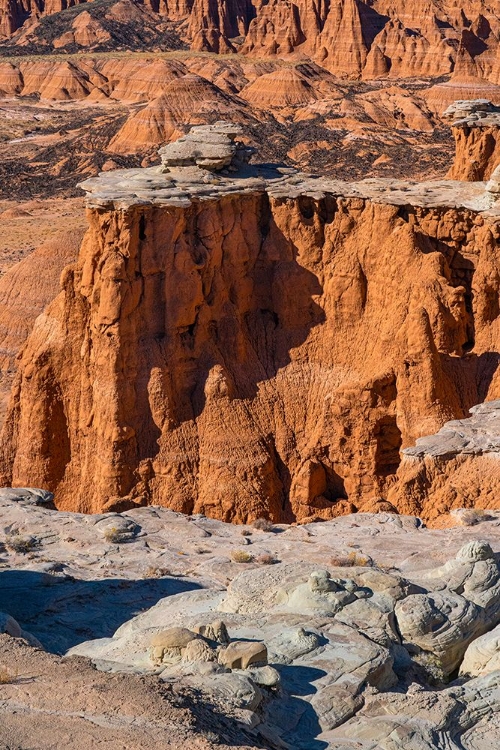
(482, 656)
(337, 679)
(463, 716)
(27, 495)
(462, 603)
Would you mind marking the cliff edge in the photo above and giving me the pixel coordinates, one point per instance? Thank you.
(244, 340)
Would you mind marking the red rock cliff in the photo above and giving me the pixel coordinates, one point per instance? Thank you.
(351, 38)
(243, 351)
(476, 129)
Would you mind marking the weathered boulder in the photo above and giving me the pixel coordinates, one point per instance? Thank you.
(482, 656)
(463, 602)
(29, 495)
(241, 654)
(211, 147)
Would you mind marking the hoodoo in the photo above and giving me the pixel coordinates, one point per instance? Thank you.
(245, 340)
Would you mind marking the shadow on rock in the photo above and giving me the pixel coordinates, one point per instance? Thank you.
(296, 714)
(62, 611)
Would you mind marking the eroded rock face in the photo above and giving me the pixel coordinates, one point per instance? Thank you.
(261, 344)
(476, 129)
(352, 39)
(457, 467)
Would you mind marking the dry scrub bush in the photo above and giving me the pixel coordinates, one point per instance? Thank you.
(262, 524)
(240, 556)
(7, 676)
(116, 536)
(266, 559)
(472, 516)
(19, 543)
(352, 560)
(155, 572)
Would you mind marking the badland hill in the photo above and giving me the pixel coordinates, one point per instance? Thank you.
(346, 89)
(349, 38)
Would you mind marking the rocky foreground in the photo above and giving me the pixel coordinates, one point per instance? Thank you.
(367, 631)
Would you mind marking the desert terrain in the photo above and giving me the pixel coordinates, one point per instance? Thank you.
(249, 375)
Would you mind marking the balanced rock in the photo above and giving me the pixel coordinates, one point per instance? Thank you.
(167, 646)
(211, 147)
(467, 108)
(214, 631)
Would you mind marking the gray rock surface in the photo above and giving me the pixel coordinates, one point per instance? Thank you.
(207, 164)
(29, 495)
(479, 434)
(339, 674)
(472, 113)
(482, 656)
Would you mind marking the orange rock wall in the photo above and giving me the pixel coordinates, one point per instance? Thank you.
(432, 486)
(351, 38)
(254, 356)
(477, 153)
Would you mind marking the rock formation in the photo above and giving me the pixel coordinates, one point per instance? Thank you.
(352, 635)
(25, 291)
(351, 39)
(457, 467)
(475, 126)
(220, 346)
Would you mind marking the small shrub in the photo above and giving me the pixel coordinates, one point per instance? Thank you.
(7, 676)
(116, 536)
(352, 560)
(472, 516)
(266, 559)
(155, 572)
(246, 532)
(19, 543)
(262, 524)
(240, 556)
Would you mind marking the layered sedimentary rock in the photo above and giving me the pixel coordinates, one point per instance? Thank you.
(256, 343)
(25, 290)
(350, 38)
(457, 467)
(476, 129)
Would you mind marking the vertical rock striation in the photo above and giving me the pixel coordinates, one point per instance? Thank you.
(476, 129)
(254, 343)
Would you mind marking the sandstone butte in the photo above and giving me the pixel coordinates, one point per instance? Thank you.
(260, 342)
(347, 37)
